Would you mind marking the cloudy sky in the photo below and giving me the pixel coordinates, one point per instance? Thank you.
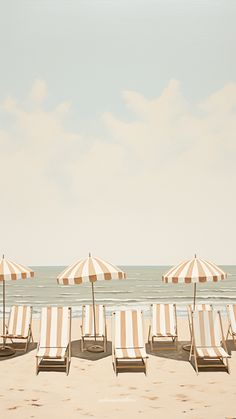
(117, 130)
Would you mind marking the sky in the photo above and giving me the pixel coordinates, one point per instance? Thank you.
(117, 130)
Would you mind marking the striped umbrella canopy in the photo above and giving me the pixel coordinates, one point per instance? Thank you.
(10, 271)
(90, 269)
(194, 271)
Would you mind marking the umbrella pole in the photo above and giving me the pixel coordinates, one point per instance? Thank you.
(187, 347)
(94, 315)
(194, 296)
(4, 310)
(95, 347)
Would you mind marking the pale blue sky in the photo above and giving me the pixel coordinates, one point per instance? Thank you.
(117, 130)
(91, 50)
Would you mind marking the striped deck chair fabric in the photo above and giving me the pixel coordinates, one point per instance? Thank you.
(163, 323)
(19, 324)
(55, 341)
(207, 337)
(204, 307)
(199, 307)
(231, 311)
(128, 342)
(87, 327)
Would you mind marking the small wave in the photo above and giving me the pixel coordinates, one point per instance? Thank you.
(113, 292)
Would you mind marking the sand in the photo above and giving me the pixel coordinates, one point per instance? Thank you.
(171, 388)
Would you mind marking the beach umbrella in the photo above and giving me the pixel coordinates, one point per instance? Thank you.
(10, 271)
(192, 272)
(90, 269)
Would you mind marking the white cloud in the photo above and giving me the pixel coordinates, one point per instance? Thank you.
(154, 189)
(38, 91)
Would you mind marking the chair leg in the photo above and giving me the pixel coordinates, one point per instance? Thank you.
(233, 335)
(151, 344)
(196, 365)
(228, 333)
(227, 364)
(115, 366)
(37, 366)
(145, 366)
(67, 365)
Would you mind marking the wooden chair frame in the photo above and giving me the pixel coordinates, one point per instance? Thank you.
(193, 352)
(47, 363)
(230, 330)
(29, 338)
(119, 364)
(161, 338)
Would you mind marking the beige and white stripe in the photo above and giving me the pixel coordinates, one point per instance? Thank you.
(90, 269)
(199, 307)
(88, 320)
(207, 334)
(54, 332)
(19, 321)
(129, 341)
(193, 271)
(12, 271)
(231, 308)
(164, 320)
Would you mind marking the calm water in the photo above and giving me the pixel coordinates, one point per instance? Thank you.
(142, 287)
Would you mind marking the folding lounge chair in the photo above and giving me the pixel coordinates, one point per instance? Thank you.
(208, 343)
(54, 347)
(231, 311)
(128, 348)
(19, 325)
(163, 325)
(87, 327)
(199, 307)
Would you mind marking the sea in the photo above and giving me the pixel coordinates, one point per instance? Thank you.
(142, 287)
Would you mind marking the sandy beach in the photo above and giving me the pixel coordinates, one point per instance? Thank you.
(171, 388)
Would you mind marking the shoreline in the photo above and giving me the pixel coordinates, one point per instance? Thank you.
(77, 309)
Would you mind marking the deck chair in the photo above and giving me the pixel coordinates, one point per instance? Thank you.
(199, 307)
(128, 348)
(163, 325)
(87, 327)
(54, 347)
(19, 325)
(231, 311)
(208, 343)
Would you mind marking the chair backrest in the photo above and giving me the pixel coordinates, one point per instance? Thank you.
(19, 321)
(88, 319)
(207, 328)
(204, 307)
(55, 327)
(231, 308)
(128, 326)
(164, 319)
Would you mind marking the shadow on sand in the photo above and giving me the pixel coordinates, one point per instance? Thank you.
(19, 347)
(91, 356)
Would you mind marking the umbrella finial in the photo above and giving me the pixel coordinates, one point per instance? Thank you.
(195, 256)
(3, 256)
(89, 255)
